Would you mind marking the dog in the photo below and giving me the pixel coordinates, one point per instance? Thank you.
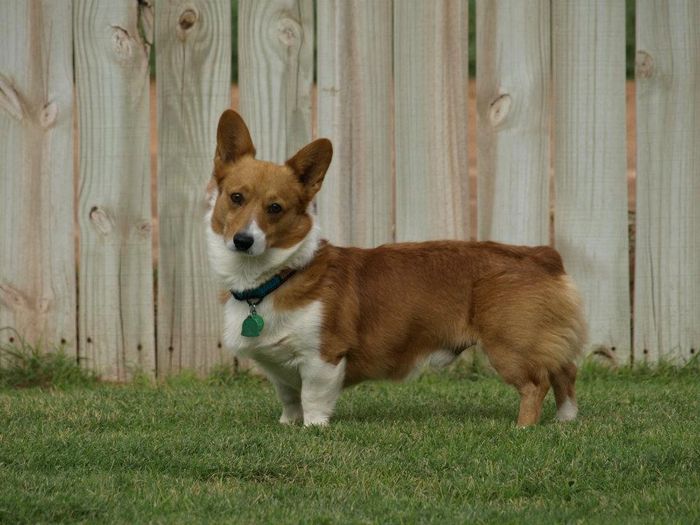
(317, 318)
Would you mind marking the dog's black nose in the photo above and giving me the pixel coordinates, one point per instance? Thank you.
(242, 241)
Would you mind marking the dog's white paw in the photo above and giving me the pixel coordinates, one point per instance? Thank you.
(291, 415)
(316, 421)
(567, 411)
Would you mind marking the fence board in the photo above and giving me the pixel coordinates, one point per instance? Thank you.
(37, 251)
(275, 53)
(590, 160)
(193, 61)
(275, 71)
(667, 281)
(116, 321)
(431, 69)
(356, 203)
(513, 98)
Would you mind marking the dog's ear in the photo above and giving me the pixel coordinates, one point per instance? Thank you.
(232, 138)
(310, 164)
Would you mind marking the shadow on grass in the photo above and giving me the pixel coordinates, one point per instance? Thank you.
(453, 411)
(418, 401)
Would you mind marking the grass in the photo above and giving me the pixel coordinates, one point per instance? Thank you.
(440, 449)
(23, 366)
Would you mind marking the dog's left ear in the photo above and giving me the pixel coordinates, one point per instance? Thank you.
(310, 164)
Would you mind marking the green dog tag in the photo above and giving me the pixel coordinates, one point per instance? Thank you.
(252, 326)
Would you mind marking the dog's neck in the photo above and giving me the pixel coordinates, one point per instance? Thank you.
(238, 271)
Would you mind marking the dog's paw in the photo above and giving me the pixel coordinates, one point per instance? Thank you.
(567, 411)
(316, 421)
(291, 415)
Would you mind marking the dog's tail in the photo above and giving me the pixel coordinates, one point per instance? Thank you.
(573, 340)
(571, 304)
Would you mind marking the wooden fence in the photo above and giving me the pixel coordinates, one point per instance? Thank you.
(392, 83)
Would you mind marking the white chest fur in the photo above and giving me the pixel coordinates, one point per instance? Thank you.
(287, 338)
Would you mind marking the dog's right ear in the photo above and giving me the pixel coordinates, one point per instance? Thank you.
(232, 138)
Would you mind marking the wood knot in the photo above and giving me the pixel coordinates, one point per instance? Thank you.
(499, 109)
(47, 117)
(289, 32)
(101, 221)
(643, 65)
(44, 304)
(122, 44)
(143, 229)
(187, 19)
(9, 100)
(13, 298)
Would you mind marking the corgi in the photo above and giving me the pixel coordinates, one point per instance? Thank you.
(317, 318)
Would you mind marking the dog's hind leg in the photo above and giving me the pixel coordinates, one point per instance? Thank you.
(532, 385)
(532, 396)
(563, 382)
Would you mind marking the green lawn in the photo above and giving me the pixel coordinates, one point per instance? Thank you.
(441, 449)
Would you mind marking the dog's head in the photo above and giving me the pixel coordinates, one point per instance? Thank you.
(261, 205)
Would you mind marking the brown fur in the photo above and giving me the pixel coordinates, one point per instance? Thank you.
(387, 308)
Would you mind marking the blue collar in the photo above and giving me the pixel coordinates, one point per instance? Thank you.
(264, 289)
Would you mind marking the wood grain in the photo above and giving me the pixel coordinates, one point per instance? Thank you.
(590, 164)
(116, 321)
(37, 251)
(193, 73)
(356, 203)
(513, 102)
(275, 72)
(667, 278)
(431, 73)
(275, 52)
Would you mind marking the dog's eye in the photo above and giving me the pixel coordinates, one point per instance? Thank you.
(274, 208)
(237, 198)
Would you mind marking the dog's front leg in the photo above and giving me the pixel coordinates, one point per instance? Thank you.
(291, 404)
(288, 395)
(321, 383)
